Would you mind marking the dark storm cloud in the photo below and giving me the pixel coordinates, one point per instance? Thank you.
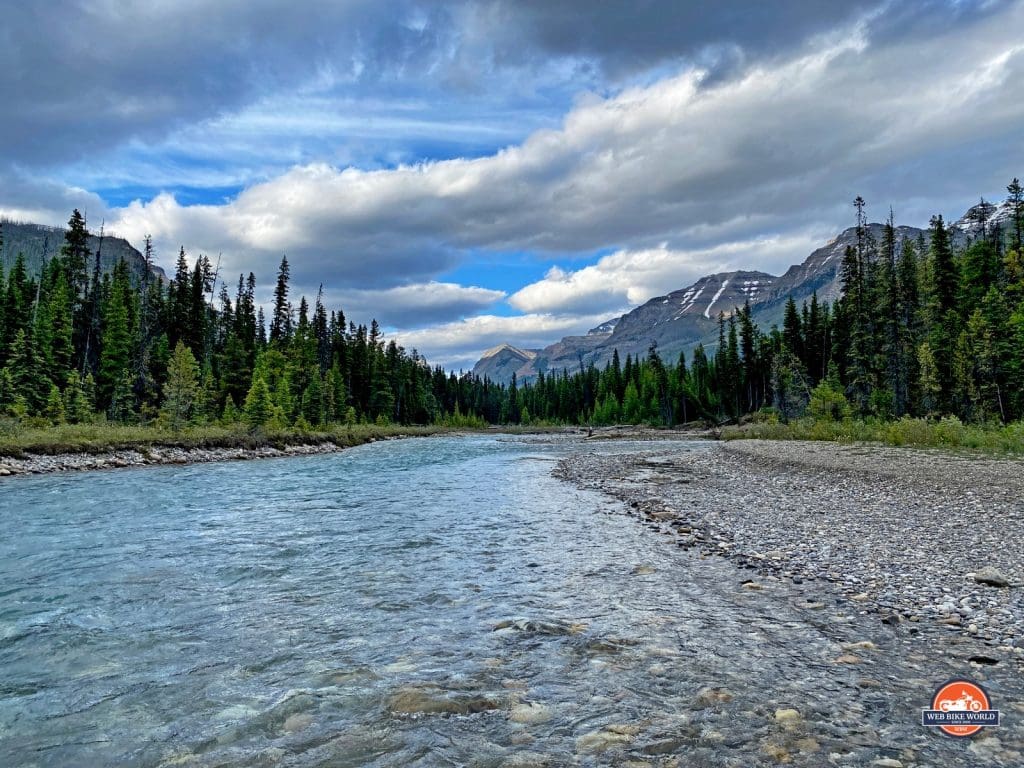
(79, 77)
(624, 37)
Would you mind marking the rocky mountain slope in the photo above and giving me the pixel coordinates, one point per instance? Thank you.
(37, 242)
(679, 320)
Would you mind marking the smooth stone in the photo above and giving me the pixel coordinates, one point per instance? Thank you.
(991, 577)
(788, 718)
(599, 741)
(412, 700)
(709, 697)
(530, 713)
(297, 722)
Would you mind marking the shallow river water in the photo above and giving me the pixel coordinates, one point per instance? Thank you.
(440, 601)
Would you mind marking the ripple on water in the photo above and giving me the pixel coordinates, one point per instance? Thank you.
(420, 602)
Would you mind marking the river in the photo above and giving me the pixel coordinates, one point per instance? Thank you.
(439, 601)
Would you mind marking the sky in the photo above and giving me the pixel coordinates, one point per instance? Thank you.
(473, 173)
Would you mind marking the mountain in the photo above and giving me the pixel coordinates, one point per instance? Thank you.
(499, 363)
(37, 242)
(984, 216)
(680, 320)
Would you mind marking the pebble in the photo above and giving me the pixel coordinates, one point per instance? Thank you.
(896, 531)
(66, 462)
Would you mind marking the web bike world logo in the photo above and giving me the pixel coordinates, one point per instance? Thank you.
(960, 708)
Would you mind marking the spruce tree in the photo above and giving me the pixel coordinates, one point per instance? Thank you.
(116, 347)
(181, 388)
(26, 370)
(258, 407)
(1016, 202)
(75, 253)
(280, 323)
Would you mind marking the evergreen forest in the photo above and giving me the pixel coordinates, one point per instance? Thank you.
(924, 328)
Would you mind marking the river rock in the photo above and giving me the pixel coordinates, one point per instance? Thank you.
(297, 722)
(599, 741)
(710, 697)
(788, 718)
(428, 699)
(530, 713)
(991, 577)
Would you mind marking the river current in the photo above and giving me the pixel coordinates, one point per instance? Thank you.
(440, 601)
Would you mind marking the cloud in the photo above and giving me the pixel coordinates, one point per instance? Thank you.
(412, 306)
(626, 37)
(676, 162)
(692, 139)
(44, 201)
(629, 278)
(458, 345)
(81, 77)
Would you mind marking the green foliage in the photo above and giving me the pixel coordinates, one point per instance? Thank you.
(181, 388)
(946, 433)
(923, 328)
(54, 406)
(828, 402)
(259, 409)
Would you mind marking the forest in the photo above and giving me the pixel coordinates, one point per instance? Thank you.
(922, 329)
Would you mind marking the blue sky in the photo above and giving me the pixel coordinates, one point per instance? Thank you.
(480, 172)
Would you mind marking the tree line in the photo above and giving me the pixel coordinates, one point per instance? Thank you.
(922, 328)
(78, 345)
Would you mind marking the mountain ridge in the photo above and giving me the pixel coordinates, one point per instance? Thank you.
(683, 318)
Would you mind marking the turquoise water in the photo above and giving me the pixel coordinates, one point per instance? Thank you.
(182, 615)
(429, 602)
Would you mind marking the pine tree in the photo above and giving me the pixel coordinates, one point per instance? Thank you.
(281, 322)
(313, 401)
(182, 386)
(77, 408)
(1016, 201)
(60, 315)
(231, 414)
(116, 347)
(258, 407)
(179, 302)
(54, 410)
(75, 253)
(25, 368)
(792, 331)
(122, 400)
(7, 392)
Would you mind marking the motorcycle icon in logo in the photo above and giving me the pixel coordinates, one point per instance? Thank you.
(966, 703)
(960, 708)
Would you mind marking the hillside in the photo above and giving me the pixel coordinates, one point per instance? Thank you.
(37, 242)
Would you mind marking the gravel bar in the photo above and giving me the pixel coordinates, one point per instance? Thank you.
(924, 539)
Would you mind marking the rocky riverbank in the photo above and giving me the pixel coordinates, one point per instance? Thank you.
(919, 538)
(33, 464)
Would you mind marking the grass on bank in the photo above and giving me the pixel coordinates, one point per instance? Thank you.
(947, 433)
(17, 439)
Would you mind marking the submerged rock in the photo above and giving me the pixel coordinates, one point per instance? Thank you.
(530, 713)
(606, 738)
(434, 700)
